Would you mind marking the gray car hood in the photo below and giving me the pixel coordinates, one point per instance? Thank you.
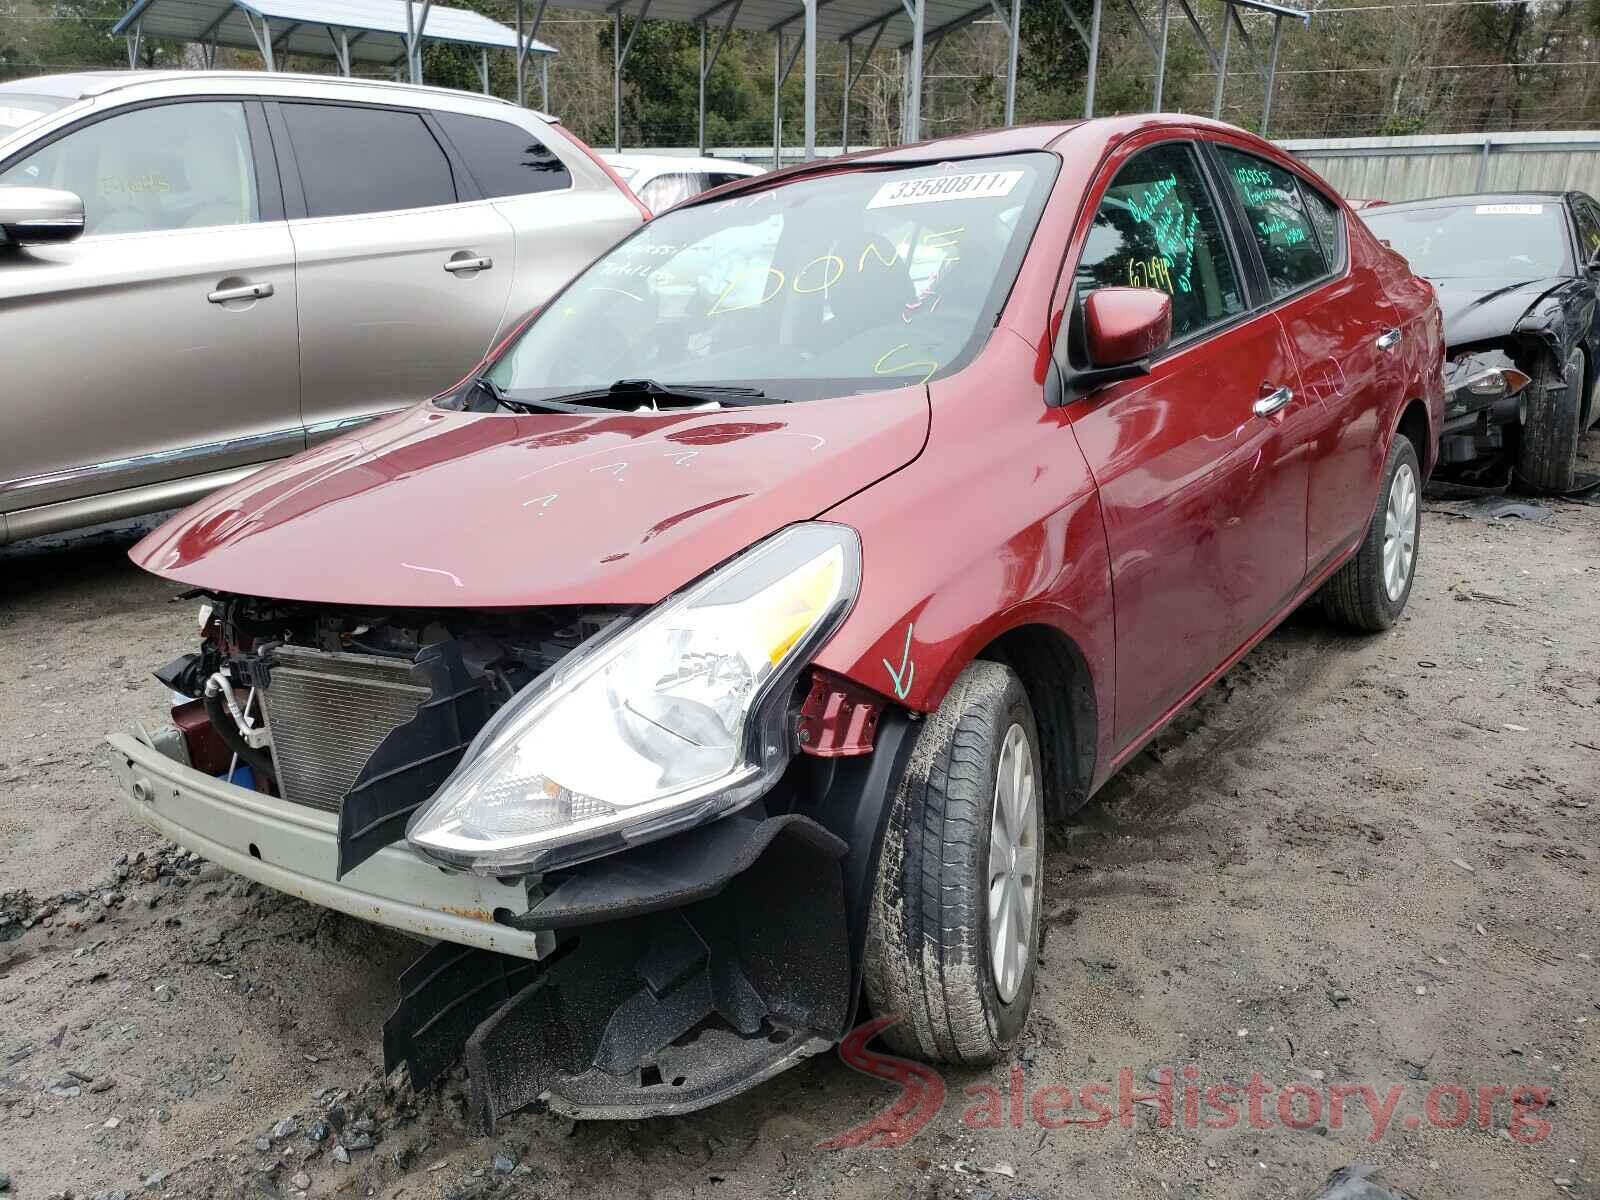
(1478, 309)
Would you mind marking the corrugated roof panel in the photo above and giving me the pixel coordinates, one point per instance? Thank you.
(836, 19)
(381, 24)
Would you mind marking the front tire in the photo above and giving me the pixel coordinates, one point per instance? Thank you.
(1548, 457)
(1369, 592)
(953, 933)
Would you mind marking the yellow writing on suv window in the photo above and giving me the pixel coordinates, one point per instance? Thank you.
(111, 185)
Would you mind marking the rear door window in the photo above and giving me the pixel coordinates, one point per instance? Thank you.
(505, 159)
(1280, 220)
(360, 159)
(1328, 220)
(1157, 227)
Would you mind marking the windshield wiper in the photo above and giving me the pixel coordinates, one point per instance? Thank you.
(517, 404)
(648, 393)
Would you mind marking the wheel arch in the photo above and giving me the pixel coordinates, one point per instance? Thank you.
(1060, 687)
(1415, 425)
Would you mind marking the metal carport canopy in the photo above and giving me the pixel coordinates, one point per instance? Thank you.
(913, 27)
(905, 25)
(390, 32)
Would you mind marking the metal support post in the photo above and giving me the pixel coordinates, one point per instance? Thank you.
(1222, 62)
(1272, 72)
(811, 79)
(1161, 54)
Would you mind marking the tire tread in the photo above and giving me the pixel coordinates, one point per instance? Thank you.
(925, 937)
(1354, 597)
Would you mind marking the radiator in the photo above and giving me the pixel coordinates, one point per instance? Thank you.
(328, 712)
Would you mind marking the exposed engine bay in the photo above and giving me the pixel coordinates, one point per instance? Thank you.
(362, 713)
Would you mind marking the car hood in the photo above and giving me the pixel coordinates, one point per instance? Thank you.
(1476, 309)
(446, 509)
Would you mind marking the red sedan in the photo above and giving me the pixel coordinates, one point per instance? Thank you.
(709, 658)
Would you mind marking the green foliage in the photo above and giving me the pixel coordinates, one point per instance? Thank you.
(73, 35)
(1396, 125)
(1411, 67)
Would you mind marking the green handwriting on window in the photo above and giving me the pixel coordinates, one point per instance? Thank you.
(1174, 226)
(1292, 235)
(1149, 202)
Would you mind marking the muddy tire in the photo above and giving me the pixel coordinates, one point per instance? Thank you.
(1369, 592)
(1548, 458)
(955, 881)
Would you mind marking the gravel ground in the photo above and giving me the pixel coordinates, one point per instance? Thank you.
(1354, 862)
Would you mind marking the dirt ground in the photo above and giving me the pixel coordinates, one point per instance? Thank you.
(1354, 862)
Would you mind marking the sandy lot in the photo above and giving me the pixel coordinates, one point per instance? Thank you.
(1355, 862)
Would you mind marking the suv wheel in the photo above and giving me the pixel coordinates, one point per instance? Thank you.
(1369, 592)
(953, 934)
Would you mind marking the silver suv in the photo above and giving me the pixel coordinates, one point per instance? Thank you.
(201, 272)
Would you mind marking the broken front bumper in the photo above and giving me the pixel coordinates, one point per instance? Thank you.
(294, 848)
(684, 973)
(653, 981)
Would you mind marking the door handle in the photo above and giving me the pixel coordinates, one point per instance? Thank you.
(1388, 339)
(248, 291)
(1272, 402)
(469, 264)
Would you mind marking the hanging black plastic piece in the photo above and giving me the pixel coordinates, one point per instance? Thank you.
(671, 1011)
(444, 996)
(409, 765)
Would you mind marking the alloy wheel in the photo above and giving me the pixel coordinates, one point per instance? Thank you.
(1400, 532)
(1013, 863)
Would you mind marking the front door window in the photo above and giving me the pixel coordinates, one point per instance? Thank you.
(172, 166)
(1157, 227)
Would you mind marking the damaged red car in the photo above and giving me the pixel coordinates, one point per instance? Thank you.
(705, 665)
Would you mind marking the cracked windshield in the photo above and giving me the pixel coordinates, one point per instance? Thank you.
(846, 283)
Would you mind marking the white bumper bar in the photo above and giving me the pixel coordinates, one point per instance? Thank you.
(294, 849)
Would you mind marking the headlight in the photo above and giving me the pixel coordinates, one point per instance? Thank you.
(1488, 375)
(674, 720)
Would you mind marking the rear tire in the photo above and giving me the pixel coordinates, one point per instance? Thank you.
(1369, 592)
(1548, 458)
(953, 932)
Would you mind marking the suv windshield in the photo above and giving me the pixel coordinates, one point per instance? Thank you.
(18, 110)
(1497, 239)
(857, 281)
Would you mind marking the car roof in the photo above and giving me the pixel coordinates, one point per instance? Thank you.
(1469, 198)
(80, 85)
(1086, 138)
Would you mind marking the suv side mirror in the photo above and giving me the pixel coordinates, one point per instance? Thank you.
(30, 215)
(1123, 325)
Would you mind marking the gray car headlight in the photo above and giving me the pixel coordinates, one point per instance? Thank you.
(1487, 375)
(674, 720)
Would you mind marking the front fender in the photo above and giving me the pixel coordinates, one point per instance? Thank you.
(1554, 322)
(996, 525)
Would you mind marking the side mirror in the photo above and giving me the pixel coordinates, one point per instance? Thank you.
(30, 215)
(1123, 325)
